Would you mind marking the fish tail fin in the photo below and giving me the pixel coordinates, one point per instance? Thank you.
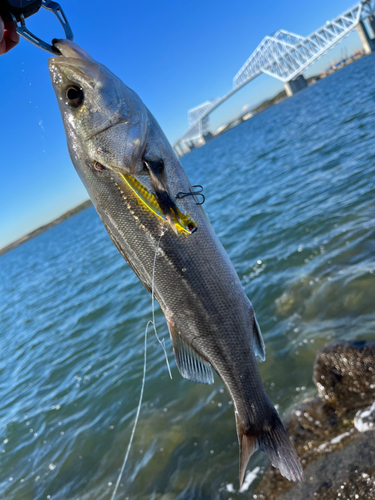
(247, 444)
(273, 440)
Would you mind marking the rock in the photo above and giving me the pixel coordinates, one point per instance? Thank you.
(332, 449)
(345, 474)
(365, 420)
(344, 374)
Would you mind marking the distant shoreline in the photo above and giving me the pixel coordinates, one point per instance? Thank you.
(46, 227)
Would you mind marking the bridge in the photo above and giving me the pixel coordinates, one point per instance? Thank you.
(284, 56)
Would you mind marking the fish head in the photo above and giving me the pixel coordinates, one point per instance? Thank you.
(113, 138)
(105, 121)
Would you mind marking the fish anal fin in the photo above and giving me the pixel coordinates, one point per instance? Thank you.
(189, 363)
(247, 444)
(259, 348)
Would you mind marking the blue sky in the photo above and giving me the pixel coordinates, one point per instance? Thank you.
(175, 54)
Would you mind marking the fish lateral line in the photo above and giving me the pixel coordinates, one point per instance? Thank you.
(182, 220)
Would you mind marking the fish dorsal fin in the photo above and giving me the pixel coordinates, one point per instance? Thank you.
(259, 348)
(190, 364)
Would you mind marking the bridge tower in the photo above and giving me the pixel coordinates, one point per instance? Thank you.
(198, 117)
(367, 42)
(295, 85)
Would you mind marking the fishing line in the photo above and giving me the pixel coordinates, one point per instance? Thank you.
(162, 343)
(136, 416)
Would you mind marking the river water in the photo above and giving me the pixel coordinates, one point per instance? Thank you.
(291, 194)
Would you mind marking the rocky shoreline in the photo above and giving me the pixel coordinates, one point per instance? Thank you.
(333, 433)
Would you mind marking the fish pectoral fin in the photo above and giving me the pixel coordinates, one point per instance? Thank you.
(189, 362)
(259, 348)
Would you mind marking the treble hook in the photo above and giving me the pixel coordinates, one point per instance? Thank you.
(180, 194)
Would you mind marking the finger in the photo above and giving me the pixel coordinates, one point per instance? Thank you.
(11, 35)
(8, 36)
(2, 43)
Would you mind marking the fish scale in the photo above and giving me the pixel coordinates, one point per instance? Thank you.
(111, 135)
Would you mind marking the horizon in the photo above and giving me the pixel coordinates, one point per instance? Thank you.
(177, 71)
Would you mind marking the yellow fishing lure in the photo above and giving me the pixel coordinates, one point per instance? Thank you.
(182, 220)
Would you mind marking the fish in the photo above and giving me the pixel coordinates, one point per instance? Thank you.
(133, 177)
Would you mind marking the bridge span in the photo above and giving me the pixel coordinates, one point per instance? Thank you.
(285, 56)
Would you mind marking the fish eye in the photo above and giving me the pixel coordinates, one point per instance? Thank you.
(74, 96)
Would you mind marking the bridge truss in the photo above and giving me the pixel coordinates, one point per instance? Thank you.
(284, 56)
(195, 114)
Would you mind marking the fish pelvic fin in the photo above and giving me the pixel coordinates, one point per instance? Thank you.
(273, 440)
(189, 363)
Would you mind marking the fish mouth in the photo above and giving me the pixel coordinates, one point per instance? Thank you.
(73, 57)
(177, 216)
(67, 48)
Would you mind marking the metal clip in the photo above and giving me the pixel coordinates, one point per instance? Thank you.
(59, 13)
(193, 193)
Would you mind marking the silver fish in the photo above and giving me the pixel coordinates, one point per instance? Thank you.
(132, 176)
